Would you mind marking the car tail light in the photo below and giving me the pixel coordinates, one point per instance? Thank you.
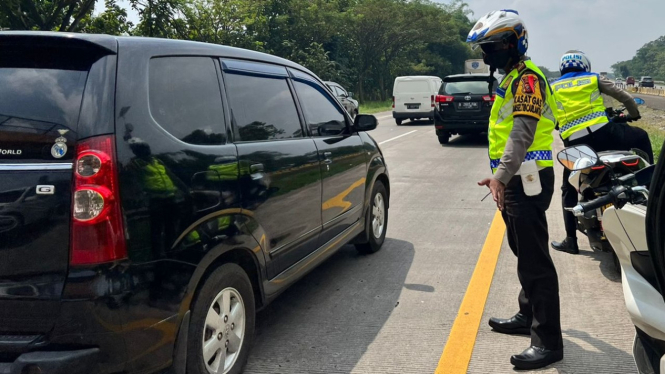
(443, 99)
(97, 228)
(393, 102)
(601, 167)
(489, 98)
(432, 101)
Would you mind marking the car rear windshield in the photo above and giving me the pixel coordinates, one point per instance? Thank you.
(468, 87)
(647, 79)
(39, 93)
(412, 86)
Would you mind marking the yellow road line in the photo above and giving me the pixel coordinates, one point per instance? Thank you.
(457, 352)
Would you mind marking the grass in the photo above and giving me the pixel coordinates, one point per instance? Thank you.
(653, 122)
(371, 107)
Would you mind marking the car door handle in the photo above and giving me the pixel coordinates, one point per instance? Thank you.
(327, 158)
(256, 171)
(256, 168)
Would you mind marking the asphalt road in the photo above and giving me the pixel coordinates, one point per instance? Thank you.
(655, 102)
(391, 312)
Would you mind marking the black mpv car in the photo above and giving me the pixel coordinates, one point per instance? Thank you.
(463, 106)
(155, 193)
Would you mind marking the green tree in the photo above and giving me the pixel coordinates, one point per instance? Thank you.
(112, 21)
(45, 15)
(649, 60)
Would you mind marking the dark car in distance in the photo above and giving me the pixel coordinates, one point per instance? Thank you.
(646, 81)
(463, 106)
(156, 193)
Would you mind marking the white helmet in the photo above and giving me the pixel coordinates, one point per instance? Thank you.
(574, 61)
(497, 27)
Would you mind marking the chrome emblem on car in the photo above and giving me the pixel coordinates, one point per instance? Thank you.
(58, 150)
(45, 190)
(467, 98)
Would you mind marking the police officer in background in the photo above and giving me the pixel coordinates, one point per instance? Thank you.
(520, 150)
(583, 120)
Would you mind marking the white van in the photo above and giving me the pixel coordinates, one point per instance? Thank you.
(413, 97)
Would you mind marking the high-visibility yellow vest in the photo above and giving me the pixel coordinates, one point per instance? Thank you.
(154, 178)
(579, 102)
(501, 120)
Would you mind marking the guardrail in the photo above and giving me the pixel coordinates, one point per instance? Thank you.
(647, 91)
(641, 90)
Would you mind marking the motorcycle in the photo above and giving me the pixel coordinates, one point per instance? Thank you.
(593, 181)
(624, 223)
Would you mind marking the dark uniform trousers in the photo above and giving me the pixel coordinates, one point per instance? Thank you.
(611, 137)
(528, 238)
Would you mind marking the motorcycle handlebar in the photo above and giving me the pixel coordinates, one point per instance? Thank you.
(610, 198)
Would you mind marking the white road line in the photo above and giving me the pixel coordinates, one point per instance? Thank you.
(397, 137)
(385, 117)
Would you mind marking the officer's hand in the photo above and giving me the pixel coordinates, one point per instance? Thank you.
(496, 188)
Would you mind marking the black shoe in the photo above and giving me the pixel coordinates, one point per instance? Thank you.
(536, 358)
(518, 324)
(568, 245)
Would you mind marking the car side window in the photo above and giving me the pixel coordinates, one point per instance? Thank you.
(322, 116)
(185, 99)
(340, 91)
(262, 108)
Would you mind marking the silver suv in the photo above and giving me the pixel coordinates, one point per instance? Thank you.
(344, 97)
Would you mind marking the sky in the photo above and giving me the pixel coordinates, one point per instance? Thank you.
(607, 31)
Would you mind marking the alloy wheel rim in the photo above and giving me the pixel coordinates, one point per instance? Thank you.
(224, 331)
(378, 216)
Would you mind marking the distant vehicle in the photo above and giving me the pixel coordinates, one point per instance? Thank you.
(344, 97)
(630, 81)
(413, 97)
(463, 105)
(646, 81)
(619, 80)
(476, 66)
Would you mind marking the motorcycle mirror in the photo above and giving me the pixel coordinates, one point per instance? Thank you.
(639, 101)
(579, 157)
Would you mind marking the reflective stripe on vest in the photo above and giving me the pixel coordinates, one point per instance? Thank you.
(501, 122)
(579, 102)
(533, 155)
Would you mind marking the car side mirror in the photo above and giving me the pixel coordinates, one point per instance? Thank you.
(351, 94)
(365, 122)
(579, 157)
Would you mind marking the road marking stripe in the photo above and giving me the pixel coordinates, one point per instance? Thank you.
(459, 347)
(397, 137)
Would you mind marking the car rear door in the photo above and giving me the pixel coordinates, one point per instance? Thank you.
(343, 162)
(412, 95)
(280, 177)
(655, 222)
(52, 93)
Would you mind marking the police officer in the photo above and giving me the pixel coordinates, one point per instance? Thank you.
(583, 120)
(520, 150)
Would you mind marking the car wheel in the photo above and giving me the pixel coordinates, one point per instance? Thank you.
(222, 325)
(444, 138)
(376, 220)
(398, 122)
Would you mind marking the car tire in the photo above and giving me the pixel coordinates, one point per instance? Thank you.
(398, 122)
(444, 138)
(228, 282)
(376, 220)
